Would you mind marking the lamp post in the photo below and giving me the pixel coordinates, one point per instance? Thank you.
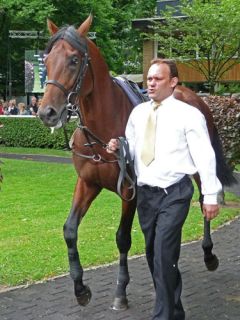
(9, 74)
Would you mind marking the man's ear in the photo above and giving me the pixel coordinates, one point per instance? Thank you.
(174, 82)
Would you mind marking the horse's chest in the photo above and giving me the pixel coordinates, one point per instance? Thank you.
(100, 173)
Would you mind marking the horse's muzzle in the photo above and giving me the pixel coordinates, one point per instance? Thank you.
(52, 117)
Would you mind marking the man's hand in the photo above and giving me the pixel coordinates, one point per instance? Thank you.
(210, 211)
(113, 145)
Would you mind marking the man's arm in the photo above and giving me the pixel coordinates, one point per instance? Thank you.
(204, 159)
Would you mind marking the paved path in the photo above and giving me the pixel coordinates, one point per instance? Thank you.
(35, 157)
(206, 295)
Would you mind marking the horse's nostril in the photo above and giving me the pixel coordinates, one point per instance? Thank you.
(50, 112)
(47, 114)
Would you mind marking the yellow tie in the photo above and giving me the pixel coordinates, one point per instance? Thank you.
(148, 150)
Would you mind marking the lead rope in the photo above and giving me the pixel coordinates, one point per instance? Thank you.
(126, 165)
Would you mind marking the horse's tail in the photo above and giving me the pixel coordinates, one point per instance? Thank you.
(224, 172)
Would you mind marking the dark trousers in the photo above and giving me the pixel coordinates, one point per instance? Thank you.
(162, 213)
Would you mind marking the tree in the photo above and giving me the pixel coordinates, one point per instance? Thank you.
(119, 44)
(206, 37)
(128, 44)
(19, 15)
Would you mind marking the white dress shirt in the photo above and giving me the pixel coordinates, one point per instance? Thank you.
(182, 147)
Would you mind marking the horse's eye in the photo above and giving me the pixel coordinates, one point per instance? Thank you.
(74, 60)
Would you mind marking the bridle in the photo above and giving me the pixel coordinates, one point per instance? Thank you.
(80, 43)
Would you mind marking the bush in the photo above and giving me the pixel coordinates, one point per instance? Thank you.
(223, 88)
(226, 114)
(31, 133)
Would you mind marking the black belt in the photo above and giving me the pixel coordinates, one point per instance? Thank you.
(166, 190)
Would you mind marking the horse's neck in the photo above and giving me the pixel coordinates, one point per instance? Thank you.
(106, 108)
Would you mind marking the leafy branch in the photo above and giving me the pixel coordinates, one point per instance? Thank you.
(205, 37)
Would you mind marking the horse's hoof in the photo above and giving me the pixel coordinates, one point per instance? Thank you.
(84, 297)
(212, 264)
(120, 304)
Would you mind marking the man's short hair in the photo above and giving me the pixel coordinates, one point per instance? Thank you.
(171, 64)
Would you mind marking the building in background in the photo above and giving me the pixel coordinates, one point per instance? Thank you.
(188, 75)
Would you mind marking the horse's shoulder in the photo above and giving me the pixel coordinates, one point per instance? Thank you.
(190, 97)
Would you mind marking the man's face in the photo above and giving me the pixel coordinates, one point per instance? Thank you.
(34, 101)
(159, 83)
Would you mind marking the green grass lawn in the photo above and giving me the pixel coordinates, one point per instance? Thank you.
(34, 203)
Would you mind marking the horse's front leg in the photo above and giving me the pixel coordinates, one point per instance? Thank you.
(210, 259)
(83, 197)
(123, 240)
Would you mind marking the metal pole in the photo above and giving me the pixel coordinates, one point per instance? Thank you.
(9, 70)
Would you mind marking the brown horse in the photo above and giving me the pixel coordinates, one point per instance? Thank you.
(79, 81)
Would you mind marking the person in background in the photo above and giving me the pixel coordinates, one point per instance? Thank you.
(5, 108)
(22, 109)
(39, 103)
(1, 107)
(168, 141)
(12, 107)
(33, 106)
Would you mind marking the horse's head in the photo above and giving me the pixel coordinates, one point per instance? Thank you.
(66, 63)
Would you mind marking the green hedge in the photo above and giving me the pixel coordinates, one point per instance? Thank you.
(226, 114)
(31, 133)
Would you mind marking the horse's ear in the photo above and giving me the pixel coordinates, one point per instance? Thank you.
(85, 26)
(52, 27)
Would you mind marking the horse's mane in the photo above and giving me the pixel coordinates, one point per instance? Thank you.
(57, 36)
(70, 34)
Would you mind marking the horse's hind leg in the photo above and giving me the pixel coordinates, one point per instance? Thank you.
(83, 197)
(210, 259)
(123, 239)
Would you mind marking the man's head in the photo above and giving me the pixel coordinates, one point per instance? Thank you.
(34, 100)
(162, 78)
(12, 102)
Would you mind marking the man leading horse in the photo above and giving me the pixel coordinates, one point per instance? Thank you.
(174, 145)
